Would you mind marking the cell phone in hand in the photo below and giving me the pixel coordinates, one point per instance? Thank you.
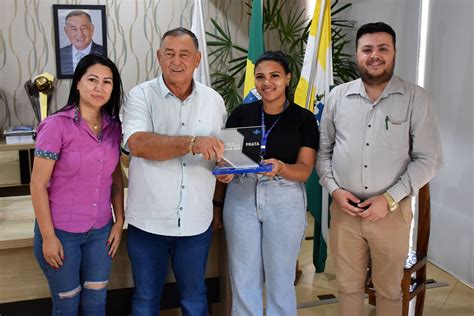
(355, 205)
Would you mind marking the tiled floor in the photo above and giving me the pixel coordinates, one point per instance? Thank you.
(455, 299)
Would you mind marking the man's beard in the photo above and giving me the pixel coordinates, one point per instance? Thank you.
(375, 80)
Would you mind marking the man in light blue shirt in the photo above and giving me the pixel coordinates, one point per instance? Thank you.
(170, 126)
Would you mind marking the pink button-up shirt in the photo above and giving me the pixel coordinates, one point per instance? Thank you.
(81, 182)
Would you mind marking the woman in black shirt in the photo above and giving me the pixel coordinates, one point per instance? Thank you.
(265, 214)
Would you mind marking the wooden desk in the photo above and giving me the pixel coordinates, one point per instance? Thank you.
(21, 278)
(8, 147)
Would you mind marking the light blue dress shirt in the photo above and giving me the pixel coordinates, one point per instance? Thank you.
(171, 197)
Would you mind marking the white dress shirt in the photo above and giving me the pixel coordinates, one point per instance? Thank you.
(78, 54)
(172, 197)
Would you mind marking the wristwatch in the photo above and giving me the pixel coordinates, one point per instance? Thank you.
(392, 204)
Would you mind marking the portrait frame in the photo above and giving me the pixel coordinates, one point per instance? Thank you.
(64, 46)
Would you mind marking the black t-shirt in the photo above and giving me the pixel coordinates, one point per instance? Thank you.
(296, 128)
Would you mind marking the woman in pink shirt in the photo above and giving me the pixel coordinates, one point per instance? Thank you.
(76, 180)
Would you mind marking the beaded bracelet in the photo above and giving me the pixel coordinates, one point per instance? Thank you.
(191, 145)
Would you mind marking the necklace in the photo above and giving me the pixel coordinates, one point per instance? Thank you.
(96, 129)
(95, 126)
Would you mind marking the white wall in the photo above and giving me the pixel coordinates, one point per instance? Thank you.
(449, 79)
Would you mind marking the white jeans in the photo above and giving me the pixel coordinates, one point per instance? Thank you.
(264, 223)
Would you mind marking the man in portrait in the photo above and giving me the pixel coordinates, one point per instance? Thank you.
(79, 30)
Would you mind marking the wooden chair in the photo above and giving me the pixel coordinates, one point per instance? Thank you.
(413, 286)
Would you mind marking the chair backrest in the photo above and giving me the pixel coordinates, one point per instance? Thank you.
(424, 220)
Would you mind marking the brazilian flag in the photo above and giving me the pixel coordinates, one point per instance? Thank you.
(256, 48)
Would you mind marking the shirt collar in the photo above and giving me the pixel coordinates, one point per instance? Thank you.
(394, 86)
(85, 51)
(73, 113)
(165, 91)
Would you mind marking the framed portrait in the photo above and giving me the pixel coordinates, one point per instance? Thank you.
(79, 30)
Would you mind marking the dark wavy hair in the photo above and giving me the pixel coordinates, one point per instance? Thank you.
(112, 107)
(279, 57)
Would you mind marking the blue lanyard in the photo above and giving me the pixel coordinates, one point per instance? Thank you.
(263, 143)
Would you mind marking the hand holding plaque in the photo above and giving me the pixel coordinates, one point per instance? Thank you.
(40, 90)
(241, 151)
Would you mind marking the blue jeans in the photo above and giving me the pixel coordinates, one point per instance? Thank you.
(150, 255)
(86, 266)
(264, 222)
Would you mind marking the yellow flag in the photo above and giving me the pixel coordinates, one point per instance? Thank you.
(316, 73)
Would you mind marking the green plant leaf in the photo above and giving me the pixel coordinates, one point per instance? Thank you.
(289, 26)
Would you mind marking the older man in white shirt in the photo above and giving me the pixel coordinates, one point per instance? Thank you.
(170, 127)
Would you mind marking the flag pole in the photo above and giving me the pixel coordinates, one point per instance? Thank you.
(315, 60)
(201, 74)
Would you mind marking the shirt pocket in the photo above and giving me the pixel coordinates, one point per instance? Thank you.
(203, 127)
(396, 134)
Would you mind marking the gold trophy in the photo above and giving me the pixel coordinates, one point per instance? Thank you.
(40, 91)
